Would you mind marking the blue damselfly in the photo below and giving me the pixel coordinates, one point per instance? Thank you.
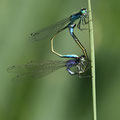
(51, 31)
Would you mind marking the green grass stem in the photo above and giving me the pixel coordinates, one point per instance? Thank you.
(92, 60)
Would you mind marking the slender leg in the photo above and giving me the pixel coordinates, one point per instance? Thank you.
(71, 29)
(86, 22)
(79, 24)
(81, 21)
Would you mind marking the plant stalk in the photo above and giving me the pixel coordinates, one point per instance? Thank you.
(92, 60)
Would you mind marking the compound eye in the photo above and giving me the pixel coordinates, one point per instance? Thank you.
(84, 11)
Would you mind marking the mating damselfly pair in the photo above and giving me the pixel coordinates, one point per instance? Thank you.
(81, 63)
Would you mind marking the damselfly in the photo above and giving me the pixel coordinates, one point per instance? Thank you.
(37, 70)
(51, 31)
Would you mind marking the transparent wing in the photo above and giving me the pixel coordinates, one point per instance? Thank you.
(36, 70)
(48, 32)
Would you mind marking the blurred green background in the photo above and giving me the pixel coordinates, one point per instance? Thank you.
(58, 96)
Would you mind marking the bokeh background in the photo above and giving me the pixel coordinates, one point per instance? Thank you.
(58, 96)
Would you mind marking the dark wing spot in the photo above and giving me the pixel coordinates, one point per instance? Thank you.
(34, 34)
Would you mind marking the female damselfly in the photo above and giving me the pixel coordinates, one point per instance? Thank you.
(37, 70)
(51, 31)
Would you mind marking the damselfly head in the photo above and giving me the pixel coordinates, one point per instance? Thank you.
(83, 11)
(82, 64)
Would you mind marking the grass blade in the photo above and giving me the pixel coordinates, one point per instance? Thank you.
(92, 60)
